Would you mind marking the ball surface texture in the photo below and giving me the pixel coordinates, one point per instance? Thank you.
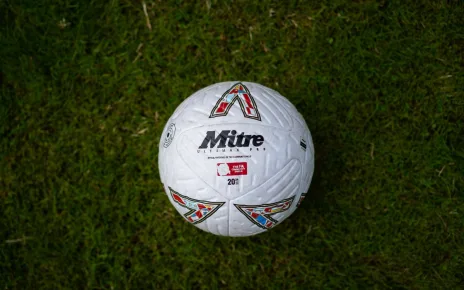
(236, 159)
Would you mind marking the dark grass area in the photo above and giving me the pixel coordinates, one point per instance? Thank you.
(86, 89)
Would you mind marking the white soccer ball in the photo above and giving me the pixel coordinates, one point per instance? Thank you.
(236, 159)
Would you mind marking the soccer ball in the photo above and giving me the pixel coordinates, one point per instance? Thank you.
(236, 159)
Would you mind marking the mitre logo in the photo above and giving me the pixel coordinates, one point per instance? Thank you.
(229, 138)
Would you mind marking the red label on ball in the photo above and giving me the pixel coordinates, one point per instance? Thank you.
(233, 168)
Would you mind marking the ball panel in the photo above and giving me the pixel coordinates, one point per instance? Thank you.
(284, 185)
(201, 104)
(250, 166)
(178, 178)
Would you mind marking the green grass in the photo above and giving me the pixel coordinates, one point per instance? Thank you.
(380, 85)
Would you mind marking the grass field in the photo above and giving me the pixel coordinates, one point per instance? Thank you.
(87, 86)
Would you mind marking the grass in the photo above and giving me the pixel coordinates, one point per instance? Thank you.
(380, 85)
